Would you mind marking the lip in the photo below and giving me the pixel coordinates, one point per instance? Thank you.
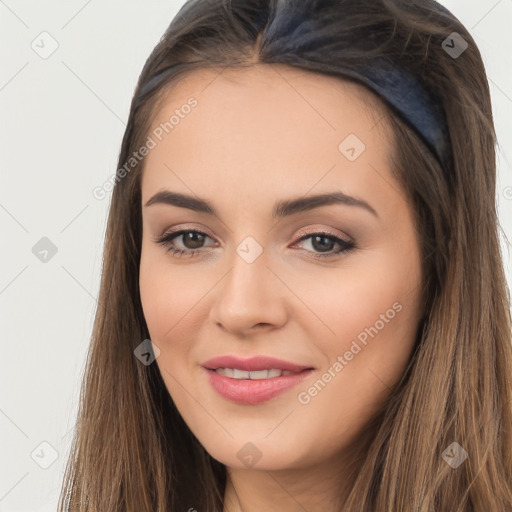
(251, 392)
(246, 391)
(253, 364)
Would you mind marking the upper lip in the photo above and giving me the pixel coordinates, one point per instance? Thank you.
(253, 364)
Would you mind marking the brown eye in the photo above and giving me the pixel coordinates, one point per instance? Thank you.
(192, 242)
(324, 243)
(193, 239)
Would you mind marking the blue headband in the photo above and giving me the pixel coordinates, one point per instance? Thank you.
(410, 99)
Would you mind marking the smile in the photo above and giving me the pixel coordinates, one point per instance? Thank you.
(235, 373)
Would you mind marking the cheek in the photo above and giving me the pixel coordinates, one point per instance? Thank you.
(375, 296)
(169, 294)
(175, 306)
(170, 303)
(374, 315)
(157, 295)
(371, 309)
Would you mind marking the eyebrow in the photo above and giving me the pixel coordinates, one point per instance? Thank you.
(281, 209)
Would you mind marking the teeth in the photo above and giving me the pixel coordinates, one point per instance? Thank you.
(234, 373)
(241, 374)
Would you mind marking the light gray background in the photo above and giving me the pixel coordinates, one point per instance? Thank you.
(62, 121)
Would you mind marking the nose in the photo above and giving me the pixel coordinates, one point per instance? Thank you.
(249, 298)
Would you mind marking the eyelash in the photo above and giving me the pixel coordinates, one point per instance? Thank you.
(166, 241)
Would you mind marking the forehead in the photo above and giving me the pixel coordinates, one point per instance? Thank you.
(264, 126)
(251, 86)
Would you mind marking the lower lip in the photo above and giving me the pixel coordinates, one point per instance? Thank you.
(247, 391)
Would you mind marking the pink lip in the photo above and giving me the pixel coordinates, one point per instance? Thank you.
(253, 364)
(247, 391)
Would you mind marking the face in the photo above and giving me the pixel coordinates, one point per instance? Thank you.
(250, 267)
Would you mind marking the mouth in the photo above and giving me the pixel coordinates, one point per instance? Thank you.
(253, 381)
(235, 373)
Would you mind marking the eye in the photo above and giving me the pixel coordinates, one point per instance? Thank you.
(324, 242)
(320, 241)
(189, 237)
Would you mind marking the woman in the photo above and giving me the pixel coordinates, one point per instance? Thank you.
(303, 303)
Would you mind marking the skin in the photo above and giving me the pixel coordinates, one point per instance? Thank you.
(259, 135)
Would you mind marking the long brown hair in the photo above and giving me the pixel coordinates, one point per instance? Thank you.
(132, 451)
